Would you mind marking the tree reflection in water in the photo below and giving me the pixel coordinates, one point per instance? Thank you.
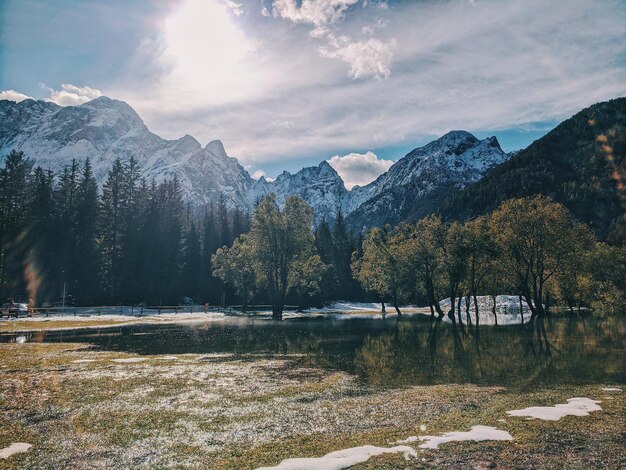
(392, 352)
(539, 352)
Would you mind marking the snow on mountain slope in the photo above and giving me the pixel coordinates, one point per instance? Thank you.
(320, 186)
(105, 129)
(422, 177)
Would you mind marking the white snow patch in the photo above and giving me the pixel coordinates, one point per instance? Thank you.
(341, 458)
(130, 359)
(577, 406)
(476, 433)
(507, 310)
(82, 361)
(167, 358)
(15, 448)
(612, 389)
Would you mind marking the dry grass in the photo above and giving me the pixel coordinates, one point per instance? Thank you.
(203, 411)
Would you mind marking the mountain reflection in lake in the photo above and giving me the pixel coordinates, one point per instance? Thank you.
(391, 352)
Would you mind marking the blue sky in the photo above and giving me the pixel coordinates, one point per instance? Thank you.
(289, 83)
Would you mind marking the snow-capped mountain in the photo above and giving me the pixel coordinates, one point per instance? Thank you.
(105, 129)
(424, 176)
(320, 186)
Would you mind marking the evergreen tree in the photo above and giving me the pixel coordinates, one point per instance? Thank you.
(225, 234)
(66, 227)
(40, 279)
(326, 250)
(111, 228)
(87, 259)
(13, 201)
(343, 256)
(192, 270)
(210, 244)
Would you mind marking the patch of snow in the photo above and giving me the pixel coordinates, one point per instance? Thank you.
(15, 448)
(167, 358)
(341, 458)
(82, 361)
(130, 359)
(507, 310)
(612, 389)
(575, 407)
(476, 433)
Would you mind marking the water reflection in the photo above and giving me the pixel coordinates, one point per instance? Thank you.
(392, 352)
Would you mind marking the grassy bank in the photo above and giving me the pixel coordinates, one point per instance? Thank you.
(221, 411)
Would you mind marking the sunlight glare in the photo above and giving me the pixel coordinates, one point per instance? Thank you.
(208, 53)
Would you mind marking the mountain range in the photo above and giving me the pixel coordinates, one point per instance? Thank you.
(105, 129)
(581, 163)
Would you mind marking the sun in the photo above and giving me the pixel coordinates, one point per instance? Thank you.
(207, 52)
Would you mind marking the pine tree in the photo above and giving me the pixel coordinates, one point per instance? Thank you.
(326, 250)
(224, 226)
(66, 228)
(111, 228)
(40, 220)
(13, 199)
(192, 270)
(210, 244)
(342, 257)
(87, 287)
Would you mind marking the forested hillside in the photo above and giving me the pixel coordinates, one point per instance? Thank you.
(580, 164)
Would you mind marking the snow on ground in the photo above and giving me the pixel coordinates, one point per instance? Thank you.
(82, 361)
(612, 389)
(128, 319)
(476, 433)
(341, 458)
(575, 406)
(507, 309)
(352, 307)
(15, 448)
(129, 359)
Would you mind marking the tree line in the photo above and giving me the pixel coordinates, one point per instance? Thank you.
(530, 247)
(137, 241)
(134, 241)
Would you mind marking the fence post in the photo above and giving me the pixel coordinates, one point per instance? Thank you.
(175, 310)
(74, 311)
(141, 312)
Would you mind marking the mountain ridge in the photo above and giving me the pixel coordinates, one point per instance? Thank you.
(105, 129)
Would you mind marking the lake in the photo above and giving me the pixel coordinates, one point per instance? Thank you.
(388, 352)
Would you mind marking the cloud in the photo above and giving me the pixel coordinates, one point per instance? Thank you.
(71, 95)
(13, 95)
(370, 58)
(483, 68)
(257, 174)
(316, 12)
(359, 169)
(236, 8)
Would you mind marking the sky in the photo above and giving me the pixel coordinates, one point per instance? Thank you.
(289, 83)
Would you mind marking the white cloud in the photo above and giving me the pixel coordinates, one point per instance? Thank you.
(71, 95)
(236, 8)
(496, 65)
(13, 95)
(316, 12)
(370, 58)
(258, 174)
(359, 169)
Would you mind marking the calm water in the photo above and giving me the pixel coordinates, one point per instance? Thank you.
(391, 352)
